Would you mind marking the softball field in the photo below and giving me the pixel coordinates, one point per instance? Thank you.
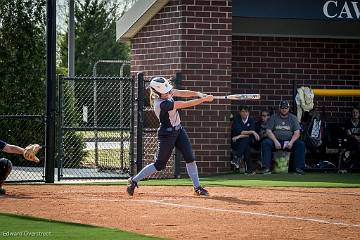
(173, 212)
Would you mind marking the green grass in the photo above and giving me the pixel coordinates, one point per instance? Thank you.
(286, 180)
(274, 180)
(323, 180)
(26, 227)
(107, 157)
(105, 134)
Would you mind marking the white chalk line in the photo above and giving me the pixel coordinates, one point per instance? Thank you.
(93, 191)
(250, 213)
(162, 202)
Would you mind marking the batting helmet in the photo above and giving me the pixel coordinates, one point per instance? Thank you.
(160, 85)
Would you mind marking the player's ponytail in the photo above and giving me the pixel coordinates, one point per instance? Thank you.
(153, 95)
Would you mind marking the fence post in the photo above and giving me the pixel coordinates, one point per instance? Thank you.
(51, 92)
(177, 83)
(132, 127)
(60, 157)
(140, 122)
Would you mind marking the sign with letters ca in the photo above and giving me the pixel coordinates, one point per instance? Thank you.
(328, 10)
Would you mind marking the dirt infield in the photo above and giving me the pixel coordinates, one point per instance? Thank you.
(173, 212)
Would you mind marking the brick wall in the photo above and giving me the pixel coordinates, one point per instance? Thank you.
(193, 37)
(156, 49)
(207, 35)
(270, 65)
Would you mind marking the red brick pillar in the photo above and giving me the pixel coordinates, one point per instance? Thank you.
(194, 37)
(206, 66)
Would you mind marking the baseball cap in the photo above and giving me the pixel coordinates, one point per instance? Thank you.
(284, 104)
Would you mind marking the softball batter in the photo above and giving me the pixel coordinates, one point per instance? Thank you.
(170, 133)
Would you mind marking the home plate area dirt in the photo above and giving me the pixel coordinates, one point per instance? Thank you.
(175, 213)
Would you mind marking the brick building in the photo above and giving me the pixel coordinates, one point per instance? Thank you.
(223, 47)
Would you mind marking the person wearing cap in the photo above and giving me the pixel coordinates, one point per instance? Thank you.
(283, 132)
(171, 133)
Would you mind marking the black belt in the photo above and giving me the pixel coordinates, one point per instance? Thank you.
(176, 128)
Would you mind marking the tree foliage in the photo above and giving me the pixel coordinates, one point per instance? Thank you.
(22, 71)
(95, 31)
(22, 56)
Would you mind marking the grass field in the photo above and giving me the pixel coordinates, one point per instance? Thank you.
(319, 180)
(105, 134)
(26, 227)
(107, 157)
(286, 180)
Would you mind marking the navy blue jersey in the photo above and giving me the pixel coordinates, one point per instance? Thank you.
(239, 125)
(167, 115)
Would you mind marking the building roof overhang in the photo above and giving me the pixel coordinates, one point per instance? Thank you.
(137, 17)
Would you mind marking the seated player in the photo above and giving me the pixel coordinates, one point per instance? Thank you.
(243, 136)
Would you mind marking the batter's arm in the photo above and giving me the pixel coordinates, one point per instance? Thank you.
(187, 93)
(193, 102)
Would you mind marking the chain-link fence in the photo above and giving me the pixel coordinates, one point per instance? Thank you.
(22, 130)
(150, 126)
(96, 127)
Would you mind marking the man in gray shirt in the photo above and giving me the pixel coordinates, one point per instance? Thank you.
(283, 131)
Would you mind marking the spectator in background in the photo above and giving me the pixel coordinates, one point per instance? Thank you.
(260, 129)
(283, 132)
(243, 135)
(260, 126)
(352, 127)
